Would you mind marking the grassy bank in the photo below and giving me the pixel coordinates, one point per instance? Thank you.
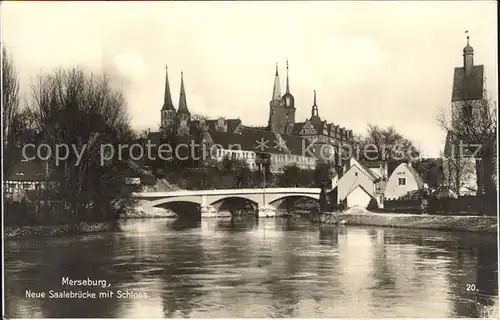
(60, 230)
(415, 221)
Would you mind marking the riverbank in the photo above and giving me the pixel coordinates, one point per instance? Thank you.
(363, 217)
(60, 230)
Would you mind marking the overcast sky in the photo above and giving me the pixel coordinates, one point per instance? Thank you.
(385, 63)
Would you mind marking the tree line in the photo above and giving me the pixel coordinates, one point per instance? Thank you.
(71, 107)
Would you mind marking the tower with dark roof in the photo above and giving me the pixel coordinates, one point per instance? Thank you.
(277, 113)
(289, 102)
(183, 115)
(168, 110)
(467, 99)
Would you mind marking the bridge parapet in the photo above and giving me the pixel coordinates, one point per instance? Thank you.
(183, 193)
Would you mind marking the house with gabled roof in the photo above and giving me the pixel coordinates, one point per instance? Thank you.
(403, 180)
(360, 186)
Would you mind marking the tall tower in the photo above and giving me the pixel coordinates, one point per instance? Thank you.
(289, 102)
(277, 113)
(314, 111)
(168, 109)
(467, 100)
(183, 114)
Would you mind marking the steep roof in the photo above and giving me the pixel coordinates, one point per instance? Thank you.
(364, 168)
(167, 98)
(416, 176)
(232, 124)
(297, 127)
(468, 87)
(183, 109)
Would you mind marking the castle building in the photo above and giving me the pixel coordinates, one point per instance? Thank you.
(468, 96)
(287, 142)
(282, 119)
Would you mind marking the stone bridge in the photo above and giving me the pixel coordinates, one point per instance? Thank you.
(209, 200)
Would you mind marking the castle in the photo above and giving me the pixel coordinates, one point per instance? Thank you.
(281, 127)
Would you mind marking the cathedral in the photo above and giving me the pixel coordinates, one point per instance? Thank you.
(281, 127)
(179, 122)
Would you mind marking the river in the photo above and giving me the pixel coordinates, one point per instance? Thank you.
(244, 268)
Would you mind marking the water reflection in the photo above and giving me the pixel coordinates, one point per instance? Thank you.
(249, 268)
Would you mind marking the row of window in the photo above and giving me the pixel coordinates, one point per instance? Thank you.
(292, 158)
(250, 155)
(235, 154)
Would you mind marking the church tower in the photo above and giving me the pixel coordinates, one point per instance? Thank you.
(289, 102)
(183, 115)
(467, 99)
(277, 112)
(168, 109)
(314, 111)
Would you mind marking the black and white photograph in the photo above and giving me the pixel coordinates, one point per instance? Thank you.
(249, 159)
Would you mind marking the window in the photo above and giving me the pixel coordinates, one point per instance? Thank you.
(402, 181)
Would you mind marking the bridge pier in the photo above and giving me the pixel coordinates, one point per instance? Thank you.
(209, 211)
(266, 211)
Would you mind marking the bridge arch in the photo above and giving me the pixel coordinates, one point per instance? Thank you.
(277, 197)
(253, 198)
(189, 199)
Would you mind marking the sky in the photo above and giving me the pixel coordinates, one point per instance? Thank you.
(382, 63)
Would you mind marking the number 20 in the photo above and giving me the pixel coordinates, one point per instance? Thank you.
(470, 287)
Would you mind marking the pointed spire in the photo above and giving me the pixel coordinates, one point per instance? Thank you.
(287, 78)
(277, 86)
(182, 98)
(314, 110)
(468, 50)
(167, 98)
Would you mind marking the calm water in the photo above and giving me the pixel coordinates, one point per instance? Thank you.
(269, 268)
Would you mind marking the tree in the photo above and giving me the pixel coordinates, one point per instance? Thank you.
(239, 169)
(293, 176)
(324, 171)
(456, 171)
(82, 111)
(10, 106)
(473, 124)
(431, 171)
(385, 144)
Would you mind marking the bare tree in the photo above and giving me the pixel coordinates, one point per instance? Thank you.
(10, 93)
(10, 105)
(473, 125)
(457, 170)
(82, 111)
(386, 144)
